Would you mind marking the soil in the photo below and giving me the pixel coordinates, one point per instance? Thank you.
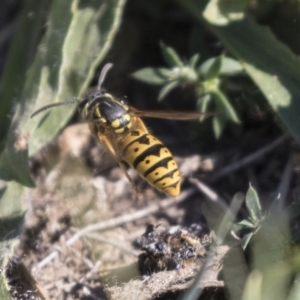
(84, 221)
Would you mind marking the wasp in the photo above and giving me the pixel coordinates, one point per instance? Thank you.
(121, 131)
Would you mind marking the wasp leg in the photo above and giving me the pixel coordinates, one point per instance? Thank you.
(124, 169)
(110, 148)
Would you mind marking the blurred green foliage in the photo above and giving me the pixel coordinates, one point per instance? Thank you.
(205, 80)
(53, 56)
(253, 223)
(270, 63)
(77, 37)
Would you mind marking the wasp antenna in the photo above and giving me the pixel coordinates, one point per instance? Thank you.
(102, 76)
(54, 105)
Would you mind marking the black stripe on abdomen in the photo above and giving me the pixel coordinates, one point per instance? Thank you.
(153, 150)
(143, 139)
(167, 175)
(162, 163)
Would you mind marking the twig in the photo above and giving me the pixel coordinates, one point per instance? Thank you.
(108, 242)
(248, 159)
(209, 193)
(91, 272)
(69, 286)
(111, 223)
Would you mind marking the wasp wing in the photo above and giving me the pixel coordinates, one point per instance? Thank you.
(169, 114)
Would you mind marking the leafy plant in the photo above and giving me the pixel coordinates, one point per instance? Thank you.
(270, 63)
(253, 223)
(205, 80)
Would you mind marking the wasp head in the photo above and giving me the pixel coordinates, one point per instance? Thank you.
(104, 108)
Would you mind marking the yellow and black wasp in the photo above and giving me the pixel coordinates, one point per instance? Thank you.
(120, 129)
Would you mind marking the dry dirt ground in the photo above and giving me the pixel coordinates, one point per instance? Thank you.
(84, 225)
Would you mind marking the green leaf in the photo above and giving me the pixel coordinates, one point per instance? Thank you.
(157, 76)
(271, 65)
(224, 106)
(253, 286)
(218, 125)
(171, 57)
(295, 290)
(202, 104)
(89, 35)
(225, 112)
(277, 279)
(14, 160)
(253, 205)
(212, 69)
(11, 212)
(246, 223)
(270, 283)
(271, 241)
(219, 120)
(22, 50)
(222, 12)
(228, 67)
(193, 61)
(78, 36)
(166, 90)
(246, 239)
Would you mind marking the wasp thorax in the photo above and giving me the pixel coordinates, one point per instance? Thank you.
(111, 110)
(106, 109)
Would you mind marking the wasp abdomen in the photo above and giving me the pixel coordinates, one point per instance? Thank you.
(152, 160)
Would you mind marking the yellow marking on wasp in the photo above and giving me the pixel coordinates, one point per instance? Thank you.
(160, 172)
(173, 191)
(116, 123)
(151, 160)
(127, 117)
(97, 113)
(135, 148)
(119, 130)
